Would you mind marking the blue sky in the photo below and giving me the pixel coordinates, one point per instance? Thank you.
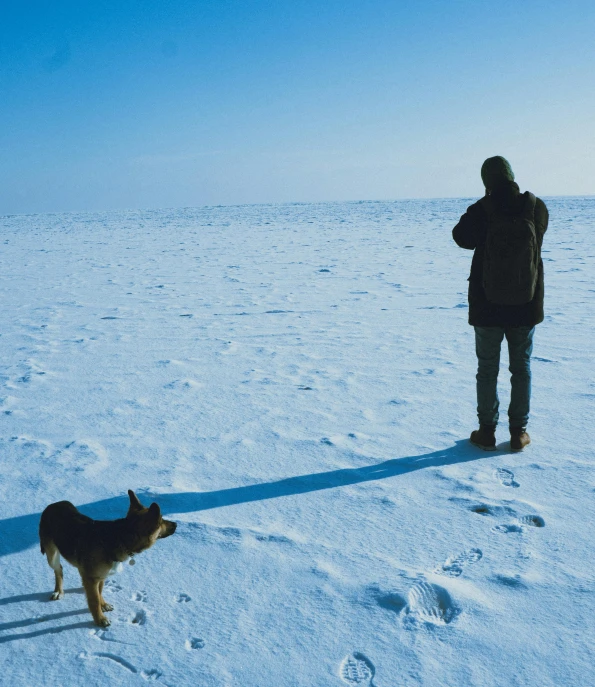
(163, 104)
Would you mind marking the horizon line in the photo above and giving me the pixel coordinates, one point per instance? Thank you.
(264, 204)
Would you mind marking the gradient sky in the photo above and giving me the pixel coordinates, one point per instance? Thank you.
(144, 104)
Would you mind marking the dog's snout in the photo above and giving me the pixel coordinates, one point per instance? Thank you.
(167, 529)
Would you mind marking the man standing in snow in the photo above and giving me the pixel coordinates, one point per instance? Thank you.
(505, 229)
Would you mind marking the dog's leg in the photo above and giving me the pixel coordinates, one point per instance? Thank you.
(91, 585)
(53, 556)
(104, 604)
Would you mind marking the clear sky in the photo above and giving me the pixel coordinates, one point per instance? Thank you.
(149, 103)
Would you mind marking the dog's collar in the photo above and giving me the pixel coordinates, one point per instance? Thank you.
(117, 565)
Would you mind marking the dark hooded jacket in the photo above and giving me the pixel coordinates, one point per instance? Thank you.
(471, 232)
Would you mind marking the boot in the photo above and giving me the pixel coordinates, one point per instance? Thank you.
(484, 437)
(519, 438)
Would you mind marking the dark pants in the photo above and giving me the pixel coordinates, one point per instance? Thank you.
(487, 347)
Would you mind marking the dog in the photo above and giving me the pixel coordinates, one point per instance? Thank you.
(96, 547)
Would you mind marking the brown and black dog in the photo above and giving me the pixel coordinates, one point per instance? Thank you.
(95, 547)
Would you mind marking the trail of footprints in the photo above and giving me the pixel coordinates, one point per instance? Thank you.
(138, 618)
(430, 603)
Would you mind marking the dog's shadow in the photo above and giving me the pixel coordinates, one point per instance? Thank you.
(37, 620)
(40, 596)
(86, 625)
(20, 533)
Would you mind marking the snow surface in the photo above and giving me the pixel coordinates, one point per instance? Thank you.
(294, 385)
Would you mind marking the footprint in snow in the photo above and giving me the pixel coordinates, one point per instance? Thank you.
(453, 567)
(389, 601)
(194, 643)
(150, 675)
(486, 510)
(506, 478)
(357, 669)
(139, 618)
(482, 509)
(430, 603)
(526, 520)
(532, 520)
(183, 598)
(139, 596)
(112, 586)
(513, 581)
(103, 635)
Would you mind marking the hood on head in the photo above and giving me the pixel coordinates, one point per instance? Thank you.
(496, 170)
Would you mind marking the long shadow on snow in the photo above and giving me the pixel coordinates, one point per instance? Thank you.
(19, 533)
(49, 630)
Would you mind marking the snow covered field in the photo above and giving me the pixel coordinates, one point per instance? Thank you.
(294, 385)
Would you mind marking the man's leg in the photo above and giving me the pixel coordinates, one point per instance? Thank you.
(520, 347)
(487, 348)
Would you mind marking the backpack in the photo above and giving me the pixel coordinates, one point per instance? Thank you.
(511, 254)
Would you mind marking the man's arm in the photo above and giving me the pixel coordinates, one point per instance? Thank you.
(541, 217)
(467, 232)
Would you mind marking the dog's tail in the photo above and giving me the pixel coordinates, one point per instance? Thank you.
(42, 528)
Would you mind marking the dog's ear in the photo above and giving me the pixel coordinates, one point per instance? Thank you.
(154, 512)
(135, 504)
